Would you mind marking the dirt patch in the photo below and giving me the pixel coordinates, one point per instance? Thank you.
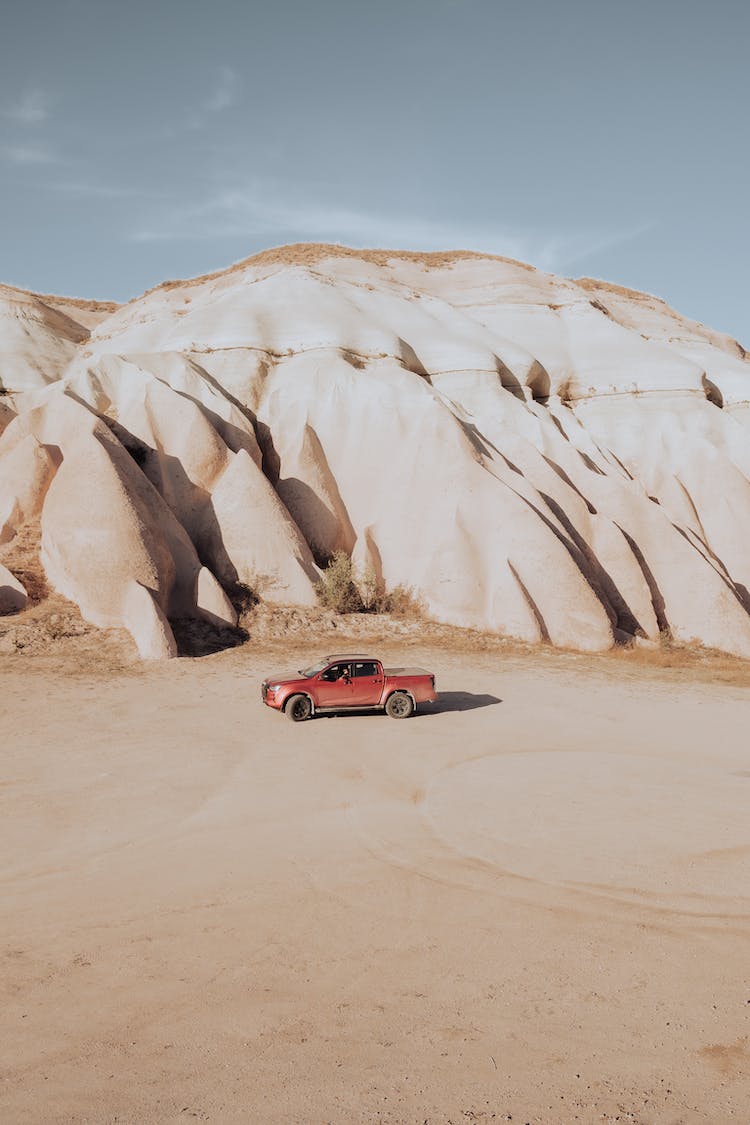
(21, 557)
(730, 1059)
(54, 627)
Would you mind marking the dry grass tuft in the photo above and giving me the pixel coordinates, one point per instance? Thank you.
(591, 283)
(695, 660)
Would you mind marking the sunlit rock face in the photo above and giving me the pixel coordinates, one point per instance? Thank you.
(558, 461)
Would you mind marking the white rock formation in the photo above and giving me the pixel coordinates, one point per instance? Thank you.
(36, 340)
(12, 594)
(554, 460)
(26, 469)
(211, 600)
(7, 414)
(108, 540)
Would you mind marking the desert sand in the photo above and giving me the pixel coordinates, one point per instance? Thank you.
(530, 905)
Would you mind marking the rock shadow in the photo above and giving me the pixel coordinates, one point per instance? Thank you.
(195, 637)
(739, 591)
(558, 469)
(539, 382)
(411, 360)
(657, 598)
(598, 578)
(541, 624)
(508, 381)
(602, 585)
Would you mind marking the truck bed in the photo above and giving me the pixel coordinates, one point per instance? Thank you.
(406, 672)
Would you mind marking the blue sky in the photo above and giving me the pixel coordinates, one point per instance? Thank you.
(153, 140)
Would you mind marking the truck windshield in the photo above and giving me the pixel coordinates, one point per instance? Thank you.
(308, 673)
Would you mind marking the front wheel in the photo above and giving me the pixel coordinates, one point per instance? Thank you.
(298, 708)
(399, 705)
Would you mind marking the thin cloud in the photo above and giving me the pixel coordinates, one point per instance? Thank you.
(224, 95)
(257, 212)
(83, 189)
(31, 109)
(569, 250)
(29, 154)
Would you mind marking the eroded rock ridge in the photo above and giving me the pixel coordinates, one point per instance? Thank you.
(554, 460)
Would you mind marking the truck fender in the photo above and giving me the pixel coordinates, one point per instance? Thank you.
(306, 694)
(401, 691)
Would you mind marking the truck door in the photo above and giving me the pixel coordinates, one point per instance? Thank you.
(367, 681)
(335, 687)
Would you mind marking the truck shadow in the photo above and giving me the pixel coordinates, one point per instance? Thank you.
(457, 701)
(447, 701)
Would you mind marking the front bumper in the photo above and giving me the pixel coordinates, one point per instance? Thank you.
(270, 698)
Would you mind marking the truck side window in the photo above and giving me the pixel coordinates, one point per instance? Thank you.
(368, 668)
(337, 672)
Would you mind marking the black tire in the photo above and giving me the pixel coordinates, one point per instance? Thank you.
(298, 708)
(399, 705)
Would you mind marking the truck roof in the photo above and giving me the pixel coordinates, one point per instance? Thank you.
(353, 656)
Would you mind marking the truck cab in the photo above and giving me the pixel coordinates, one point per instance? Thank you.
(349, 682)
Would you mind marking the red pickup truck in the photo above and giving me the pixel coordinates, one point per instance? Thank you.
(349, 682)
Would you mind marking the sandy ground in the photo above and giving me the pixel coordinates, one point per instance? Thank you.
(531, 905)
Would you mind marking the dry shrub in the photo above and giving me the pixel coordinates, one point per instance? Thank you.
(372, 592)
(337, 588)
(401, 601)
(245, 597)
(242, 596)
(344, 591)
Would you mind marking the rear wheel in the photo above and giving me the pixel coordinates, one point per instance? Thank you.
(399, 705)
(298, 708)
